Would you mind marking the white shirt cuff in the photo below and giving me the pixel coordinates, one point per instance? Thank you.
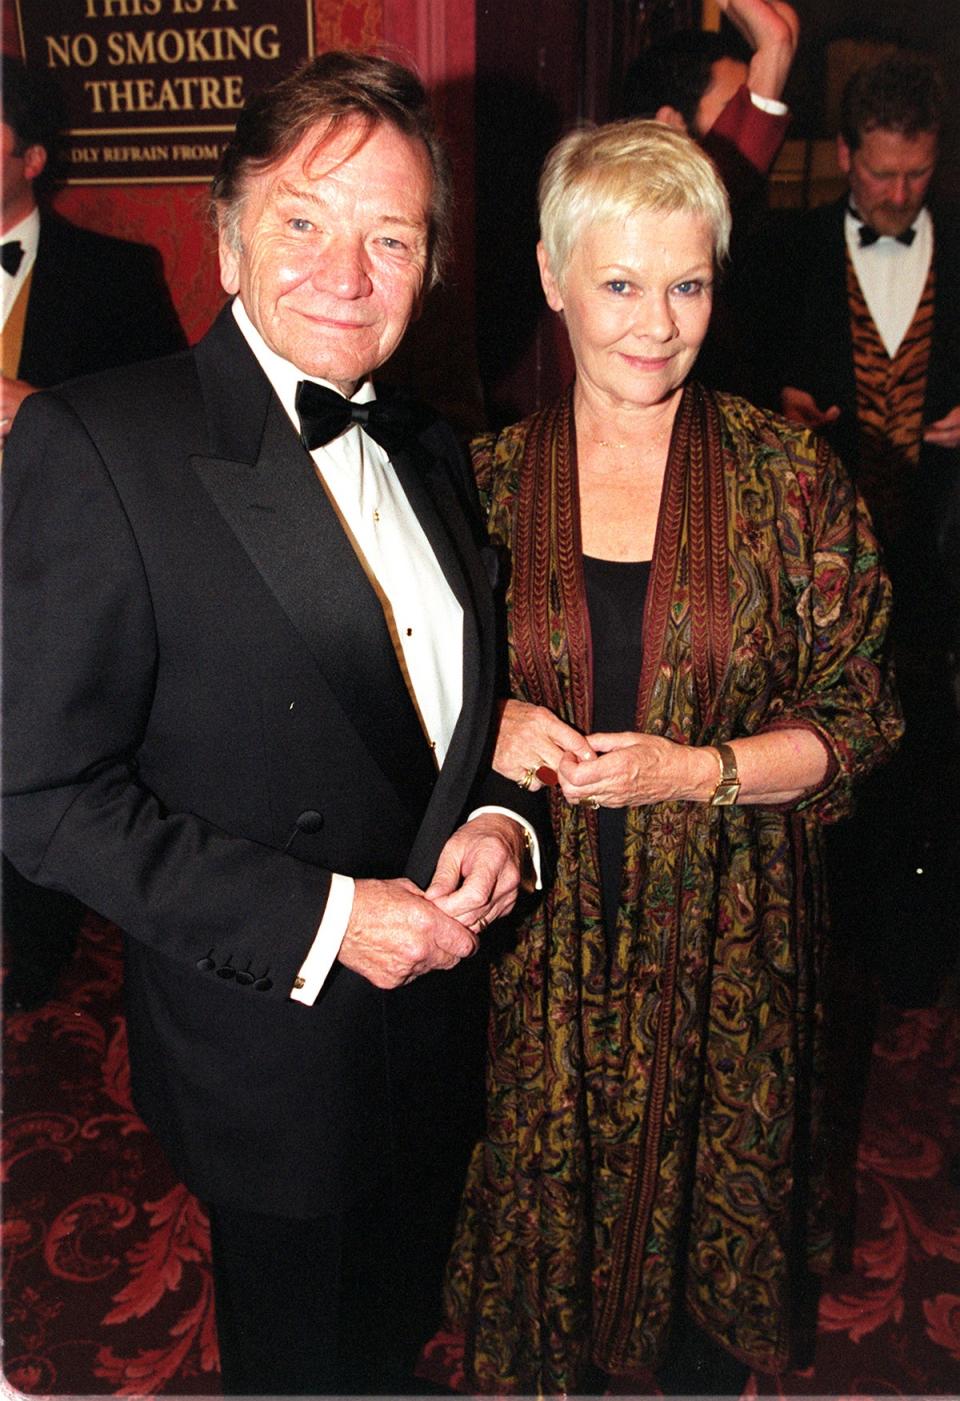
(326, 944)
(771, 105)
(534, 846)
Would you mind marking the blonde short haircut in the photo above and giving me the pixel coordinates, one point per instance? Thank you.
(596, 174)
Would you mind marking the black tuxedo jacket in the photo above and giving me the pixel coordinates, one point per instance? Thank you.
(205, 717)
(95, 302)
(809, 321)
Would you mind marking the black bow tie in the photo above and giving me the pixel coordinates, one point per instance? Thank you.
(324, 414)
(869, 235)
(11, 256)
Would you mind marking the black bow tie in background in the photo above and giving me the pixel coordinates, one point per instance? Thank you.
(324, 414)
(11, 256)
(869, 235)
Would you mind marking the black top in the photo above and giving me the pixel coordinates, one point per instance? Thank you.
(616, 591)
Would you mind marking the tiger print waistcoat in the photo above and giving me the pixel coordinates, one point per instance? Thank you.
(890, 398)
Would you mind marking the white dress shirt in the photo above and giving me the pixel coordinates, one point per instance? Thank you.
(428, 618)
(27, 232)
(892, 276)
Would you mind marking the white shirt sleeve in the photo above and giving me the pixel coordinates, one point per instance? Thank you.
(771, 105)
(326, 944)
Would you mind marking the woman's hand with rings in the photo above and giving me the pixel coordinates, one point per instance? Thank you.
(531, 742)
(630, 769)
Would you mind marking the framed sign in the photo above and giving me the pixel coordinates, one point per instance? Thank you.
(153, 88)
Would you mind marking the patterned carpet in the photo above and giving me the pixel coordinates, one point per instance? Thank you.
(105, 1280)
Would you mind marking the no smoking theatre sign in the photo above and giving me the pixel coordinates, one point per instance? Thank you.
(153, 88)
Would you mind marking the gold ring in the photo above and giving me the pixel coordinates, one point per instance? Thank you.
(528, 776)
(592, 803)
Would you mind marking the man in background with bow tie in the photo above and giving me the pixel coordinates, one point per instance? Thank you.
(873, 356)
(73, 301)
(866, 322)
(250, 680)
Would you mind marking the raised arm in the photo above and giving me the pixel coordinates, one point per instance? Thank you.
(772, 30)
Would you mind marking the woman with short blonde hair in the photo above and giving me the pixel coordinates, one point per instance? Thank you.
(611, 172)
(695, 614)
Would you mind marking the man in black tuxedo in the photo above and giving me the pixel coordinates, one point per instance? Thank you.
(864, 321)
(887, 148)
(74, 301)
(250, 678)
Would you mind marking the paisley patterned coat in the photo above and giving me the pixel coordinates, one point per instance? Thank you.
(654, 1103)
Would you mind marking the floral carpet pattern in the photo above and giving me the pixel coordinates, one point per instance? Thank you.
(106, 1282)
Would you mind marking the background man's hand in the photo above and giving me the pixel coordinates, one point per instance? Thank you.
(394, 934)
(480, 870)
(945, 433)
(801, 407)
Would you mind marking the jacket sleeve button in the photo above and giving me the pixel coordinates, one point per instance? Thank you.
(244, 978)
(263, 984)
(206, 965)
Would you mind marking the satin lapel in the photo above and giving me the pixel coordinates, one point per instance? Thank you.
(943, 374)
(426, 484)
(829, 310)
(282, 517)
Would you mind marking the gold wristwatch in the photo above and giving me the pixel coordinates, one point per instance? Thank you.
(728, 788)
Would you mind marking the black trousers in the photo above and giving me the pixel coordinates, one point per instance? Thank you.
(336, 1305)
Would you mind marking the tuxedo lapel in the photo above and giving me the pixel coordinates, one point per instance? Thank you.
(834, 341)
(281, 515)
(943, 374)
(426, 482)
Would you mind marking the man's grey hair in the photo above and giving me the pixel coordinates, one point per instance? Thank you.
(330, 91)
